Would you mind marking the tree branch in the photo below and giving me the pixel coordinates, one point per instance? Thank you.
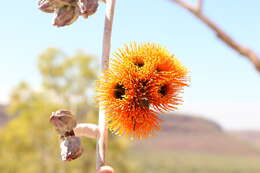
(241, 49)
(101, 147)
(200, 5)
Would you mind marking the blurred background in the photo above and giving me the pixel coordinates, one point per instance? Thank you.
(43, 68)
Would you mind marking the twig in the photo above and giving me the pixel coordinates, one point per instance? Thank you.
(87, 130)
(101, 147)
(241, 49)
(199, 5)
(110, 8)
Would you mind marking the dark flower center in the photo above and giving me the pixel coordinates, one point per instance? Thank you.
(158, 69)
(144, 102)
(163, 90)
(119, 91)
(139, 64)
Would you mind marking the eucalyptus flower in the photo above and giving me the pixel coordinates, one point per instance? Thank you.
(142, 81)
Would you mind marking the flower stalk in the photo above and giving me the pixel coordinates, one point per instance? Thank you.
(102, 140)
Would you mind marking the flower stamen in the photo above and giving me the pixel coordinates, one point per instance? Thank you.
(163, 90)
(119, 91)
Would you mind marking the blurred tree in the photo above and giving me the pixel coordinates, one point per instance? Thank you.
(29, 143)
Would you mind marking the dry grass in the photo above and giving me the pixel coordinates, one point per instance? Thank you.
(181, 162)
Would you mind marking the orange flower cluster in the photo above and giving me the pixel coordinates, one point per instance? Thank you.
(141, 82)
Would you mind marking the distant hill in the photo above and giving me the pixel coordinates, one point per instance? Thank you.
(188, 124)
(250, 136)
(192, 134)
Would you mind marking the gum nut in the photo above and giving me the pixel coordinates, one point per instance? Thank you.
(87, 7)
(66, 2)
(71, 148)
(106, 169)
(65, 16)
(46, 6)
(63, 121)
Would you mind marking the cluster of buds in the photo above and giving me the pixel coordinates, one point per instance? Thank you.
(67, 11)
(64, 124)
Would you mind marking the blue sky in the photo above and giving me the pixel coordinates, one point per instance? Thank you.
(224, 87)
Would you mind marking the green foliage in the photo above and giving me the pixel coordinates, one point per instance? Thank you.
(29, 143)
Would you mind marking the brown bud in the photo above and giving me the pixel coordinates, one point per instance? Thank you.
(65, 16)
(63, 121)
(87, 7)
(66, 2)
(46, 6)
(71, 148)
(67, 11)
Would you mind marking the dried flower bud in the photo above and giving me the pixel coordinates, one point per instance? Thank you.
(64, 122)
(46, 6)
(87, 7)
(71, 148)
(65, 15)
(66, 2)
(67, 11)
(106, 169)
